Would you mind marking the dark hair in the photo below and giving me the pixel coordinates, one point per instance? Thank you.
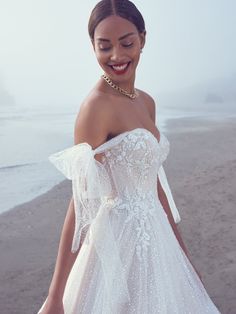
(123, 8)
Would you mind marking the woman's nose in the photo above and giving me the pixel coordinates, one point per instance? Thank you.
(116, 54)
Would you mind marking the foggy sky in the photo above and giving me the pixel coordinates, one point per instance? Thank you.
(46, 57)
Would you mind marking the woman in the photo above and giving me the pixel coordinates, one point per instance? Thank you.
(120, 249)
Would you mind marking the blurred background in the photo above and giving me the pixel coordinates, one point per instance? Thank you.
(47, 67)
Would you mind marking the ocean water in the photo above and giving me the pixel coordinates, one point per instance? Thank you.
(28, 136)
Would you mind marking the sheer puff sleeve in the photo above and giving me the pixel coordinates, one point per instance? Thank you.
(90, 183)
(91, 188)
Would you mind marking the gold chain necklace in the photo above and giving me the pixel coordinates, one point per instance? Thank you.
(118, 88)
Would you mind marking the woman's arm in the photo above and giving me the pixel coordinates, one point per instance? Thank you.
(65, 258)
(91, 127)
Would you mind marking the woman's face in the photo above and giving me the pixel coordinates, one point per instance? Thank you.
(117, 45)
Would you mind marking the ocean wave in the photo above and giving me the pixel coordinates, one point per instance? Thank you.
(17, 166)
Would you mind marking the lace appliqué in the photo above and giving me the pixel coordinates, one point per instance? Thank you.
(139, 206)
(135, 155)
(138, 142)
(132, 142)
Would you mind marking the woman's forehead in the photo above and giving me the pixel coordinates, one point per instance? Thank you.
(114, 26)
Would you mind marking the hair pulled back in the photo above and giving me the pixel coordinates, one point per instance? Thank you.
(123, 8)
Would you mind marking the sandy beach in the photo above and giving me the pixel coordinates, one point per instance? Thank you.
(201, 169)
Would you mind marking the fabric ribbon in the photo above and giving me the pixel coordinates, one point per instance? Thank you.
(164, 183)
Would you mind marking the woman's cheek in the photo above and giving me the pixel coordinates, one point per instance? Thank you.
(101, 57)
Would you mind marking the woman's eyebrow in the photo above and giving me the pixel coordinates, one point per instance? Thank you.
(122, 37)
(126, 35)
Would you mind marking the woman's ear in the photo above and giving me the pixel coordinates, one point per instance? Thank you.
(142, 38)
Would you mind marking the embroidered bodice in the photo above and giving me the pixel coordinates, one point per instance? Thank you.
(135, 160)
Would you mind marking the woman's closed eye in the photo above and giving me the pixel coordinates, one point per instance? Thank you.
(127, 45)
(107, 48)
(104, 48)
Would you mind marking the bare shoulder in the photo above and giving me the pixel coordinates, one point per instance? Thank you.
(92, 122)
(149, 102)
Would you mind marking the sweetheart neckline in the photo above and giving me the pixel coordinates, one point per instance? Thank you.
(140, 128)
(130, 131)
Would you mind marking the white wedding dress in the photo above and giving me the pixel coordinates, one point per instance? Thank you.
(130, 260)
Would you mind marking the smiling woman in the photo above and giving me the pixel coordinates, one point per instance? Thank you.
(118, 52)
(120, 249)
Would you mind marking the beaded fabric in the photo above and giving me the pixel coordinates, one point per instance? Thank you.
(130, 260)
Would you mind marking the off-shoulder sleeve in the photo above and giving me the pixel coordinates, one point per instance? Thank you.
(90, 183)
(165, 186)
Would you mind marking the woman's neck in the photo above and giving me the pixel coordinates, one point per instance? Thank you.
(128, 85)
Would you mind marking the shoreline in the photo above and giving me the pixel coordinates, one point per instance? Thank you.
(199, 169)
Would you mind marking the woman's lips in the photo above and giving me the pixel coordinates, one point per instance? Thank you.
(120, 68)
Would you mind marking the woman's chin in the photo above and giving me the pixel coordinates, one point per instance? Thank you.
(120, 76)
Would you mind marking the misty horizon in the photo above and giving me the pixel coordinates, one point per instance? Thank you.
(47, 59)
